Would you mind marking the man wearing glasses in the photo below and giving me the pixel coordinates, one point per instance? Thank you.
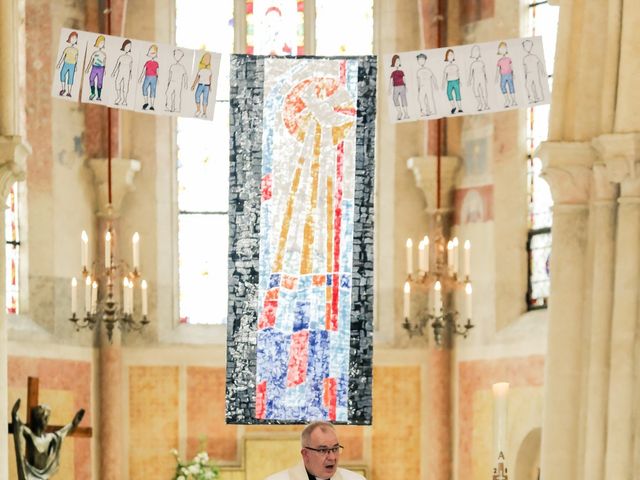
(320, 454)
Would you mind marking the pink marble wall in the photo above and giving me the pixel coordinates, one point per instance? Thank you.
(478, 375)
(64, 376)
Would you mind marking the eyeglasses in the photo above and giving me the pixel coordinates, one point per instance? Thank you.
(326, 451)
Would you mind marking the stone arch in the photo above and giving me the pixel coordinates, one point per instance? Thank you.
(527, 465)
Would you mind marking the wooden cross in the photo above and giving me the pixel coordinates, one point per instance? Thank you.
(33, 387)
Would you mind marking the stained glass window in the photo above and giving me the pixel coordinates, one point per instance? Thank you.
(344, 27)
(543, 21)
(12, 250)
(275, 27)
(203, 172)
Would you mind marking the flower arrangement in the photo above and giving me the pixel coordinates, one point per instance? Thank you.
(199, 468)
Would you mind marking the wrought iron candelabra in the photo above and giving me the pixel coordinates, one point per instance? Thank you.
(440, 277)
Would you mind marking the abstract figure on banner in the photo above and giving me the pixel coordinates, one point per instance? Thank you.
(478, 79)
(398, 88)
(534, 73)
(203, 80)
(96, 64)
(68, 61)
(149, 78)
(451, 81)
(176, 83)
(504, 74)
(426, 85)
(38, 451)
(122, 73)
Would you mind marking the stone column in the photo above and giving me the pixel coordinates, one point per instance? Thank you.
(13, 157)
(567, 169)
(9, 55)
(110, 366)
(602, 234)
(621, 154)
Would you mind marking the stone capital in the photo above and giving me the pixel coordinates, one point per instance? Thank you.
(566, 166)
(123, 171)
(13, 160)
(620, 153)
(604, 190)
(425, 172)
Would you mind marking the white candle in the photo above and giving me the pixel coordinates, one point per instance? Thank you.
(425, 241)
(409, 256)
(107, 250)
(74, 296)
(130, 297)
(450, 255)
(125, 296)
(94, 297)
(468, 290)
(421, 257)
(467, 259)
(456, 257)
(87, 295)
(500, 392)
(135, 240)
(437, 297)
(145, 305)
(84, 248)
(406, 311)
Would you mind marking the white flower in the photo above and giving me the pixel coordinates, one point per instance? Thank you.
(181, 477)
(195, 468)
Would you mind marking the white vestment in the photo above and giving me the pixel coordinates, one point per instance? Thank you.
(299, 473)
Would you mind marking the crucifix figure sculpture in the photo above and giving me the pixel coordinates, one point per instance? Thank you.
(37, 450)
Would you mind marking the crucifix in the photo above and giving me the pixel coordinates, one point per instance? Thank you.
(38, 444)
(33, 386)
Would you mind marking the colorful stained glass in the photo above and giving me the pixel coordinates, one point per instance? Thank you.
(12, 250)
(203, 171)
(301, 260)
(275, 27)
(344, 28)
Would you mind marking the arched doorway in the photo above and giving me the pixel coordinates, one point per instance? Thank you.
(528, 458)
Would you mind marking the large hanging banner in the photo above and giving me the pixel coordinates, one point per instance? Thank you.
(130, 74)
(466, 79)
(300, 322)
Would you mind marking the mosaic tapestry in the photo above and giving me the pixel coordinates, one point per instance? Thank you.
(300, 322)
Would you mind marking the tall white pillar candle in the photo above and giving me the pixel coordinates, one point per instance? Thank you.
(84, 248)
(145, 304)
(406, 310)
(421, 257)
(94, 297)
(135, 240)
(500, 393)
(425, 241)
(130, 297)
(409, 256)
(468, 290)
(107, 250)
(467, 259)
(450, 256)
(456, 255)
(74, 295)
(437, 304)
(125, 306)
(87, 295)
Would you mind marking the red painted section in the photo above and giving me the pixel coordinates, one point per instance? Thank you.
(298, 358)
(266, 187)
(261, 399)
(330, 396)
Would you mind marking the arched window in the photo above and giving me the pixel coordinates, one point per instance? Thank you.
(272, 27)
(543, 21)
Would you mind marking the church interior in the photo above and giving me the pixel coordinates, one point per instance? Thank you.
(547, 196)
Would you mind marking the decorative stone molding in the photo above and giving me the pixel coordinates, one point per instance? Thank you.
(566, 166)
(13, 161)
(604, 190)
(425, 172)
(620, 153)
(123, 171)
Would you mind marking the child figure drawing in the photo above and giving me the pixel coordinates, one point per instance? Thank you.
(97, 64)
(149, 74)
(69, 62)
(122, 73)
(203, 81)
(398, 88)
(504, 73)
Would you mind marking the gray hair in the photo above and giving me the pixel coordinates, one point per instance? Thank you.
(305, 436)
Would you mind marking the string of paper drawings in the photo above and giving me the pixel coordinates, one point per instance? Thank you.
(135, 75)
(422, 85)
